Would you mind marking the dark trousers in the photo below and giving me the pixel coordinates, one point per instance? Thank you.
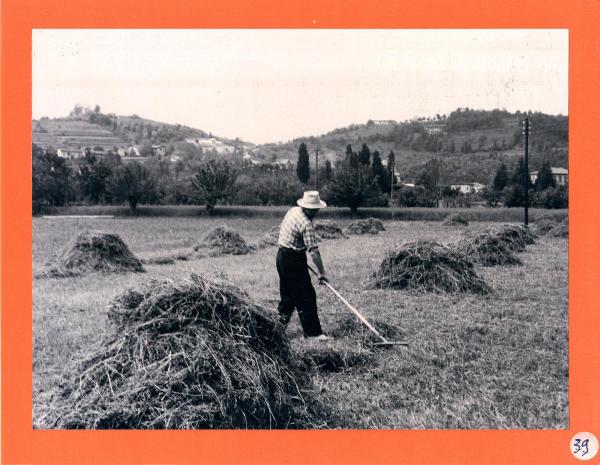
(297, 291)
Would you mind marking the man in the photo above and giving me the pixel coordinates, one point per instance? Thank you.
(296, 237)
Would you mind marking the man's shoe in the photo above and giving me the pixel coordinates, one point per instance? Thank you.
(321, 337)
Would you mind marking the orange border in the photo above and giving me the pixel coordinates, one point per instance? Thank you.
(22, 445)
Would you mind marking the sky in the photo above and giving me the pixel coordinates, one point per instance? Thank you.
(276, 85)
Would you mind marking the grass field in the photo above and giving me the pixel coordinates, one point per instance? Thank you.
(497, 361)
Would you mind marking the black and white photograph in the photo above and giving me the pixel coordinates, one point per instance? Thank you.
(300, 229)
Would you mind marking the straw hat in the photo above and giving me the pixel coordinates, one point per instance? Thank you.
(311, 200)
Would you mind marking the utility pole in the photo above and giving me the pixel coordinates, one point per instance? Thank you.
(526, 131)
(317, 169)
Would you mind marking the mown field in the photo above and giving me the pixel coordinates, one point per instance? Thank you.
(497, 361)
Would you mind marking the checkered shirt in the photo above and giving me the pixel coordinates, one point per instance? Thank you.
(297, 231)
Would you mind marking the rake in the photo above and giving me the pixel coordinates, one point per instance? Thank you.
(383, 341)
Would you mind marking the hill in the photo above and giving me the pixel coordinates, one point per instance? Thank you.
(100, 132)
(469, 143)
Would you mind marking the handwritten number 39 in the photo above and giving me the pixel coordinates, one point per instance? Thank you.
(581, 446)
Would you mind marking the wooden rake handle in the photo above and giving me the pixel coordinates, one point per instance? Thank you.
(355, 311)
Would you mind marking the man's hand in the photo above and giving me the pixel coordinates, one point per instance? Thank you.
(323, 279)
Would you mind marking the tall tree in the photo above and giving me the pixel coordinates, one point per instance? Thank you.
(430, 175)
(544, 178)
(303, 165)
(353, 187)
(391, 168)
(500, 178)
(132, 183)
(51, 179)
(93, 175)
(328, 174)
(379, 171)
(215, 181)
(351, 157)
(364, 156)
(519, 174)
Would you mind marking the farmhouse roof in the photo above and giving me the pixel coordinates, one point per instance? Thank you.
(555, 171)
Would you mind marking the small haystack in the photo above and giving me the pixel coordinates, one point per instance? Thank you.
(560, 230)
(516, 236)
(329, 230)
(270, 239)
(486, 248)
(428, 266)
(93, 251)
(544, 224)
(455, 220)
(334, 355)
(222, 241)
(368, 226)
(192, 354)
(351, 327)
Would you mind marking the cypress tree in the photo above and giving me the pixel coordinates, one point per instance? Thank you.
(303, 165)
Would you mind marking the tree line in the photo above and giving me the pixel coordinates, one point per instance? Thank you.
(509, 188)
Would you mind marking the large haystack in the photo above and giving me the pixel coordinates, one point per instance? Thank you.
(368, 226)
(329, 230)
(455, 220)
(428, 266)
(486, 248)
(516, 236)
(222, 241)
(93, 251)
(192, 354)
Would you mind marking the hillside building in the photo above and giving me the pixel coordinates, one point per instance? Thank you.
(70, 154)
(211, 144)
(468, 188)
(560, 175)
(432, 128)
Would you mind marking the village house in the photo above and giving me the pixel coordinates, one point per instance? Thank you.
(468, 188)
(435, 128)
(560, 175)
(70, 153)
(211, 144)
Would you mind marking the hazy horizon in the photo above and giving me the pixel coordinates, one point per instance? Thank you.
(276, 85)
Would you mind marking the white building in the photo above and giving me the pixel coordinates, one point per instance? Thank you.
(468, 188)
(211, 144)
(560, 175)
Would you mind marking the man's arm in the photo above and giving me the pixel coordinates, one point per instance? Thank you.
(318, 261)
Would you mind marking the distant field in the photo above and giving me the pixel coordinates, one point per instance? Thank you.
(474, 362)
(406, 214)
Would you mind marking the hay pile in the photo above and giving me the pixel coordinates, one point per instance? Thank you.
(93, 251)
(222, 241)
(269, 239)
(516, 236)
(455, 220)
(544, 224)
(559, 230)
(428, 266)
(191, 354)
(486, 248)
(329, 230)
(368, 226)
(350, 327)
